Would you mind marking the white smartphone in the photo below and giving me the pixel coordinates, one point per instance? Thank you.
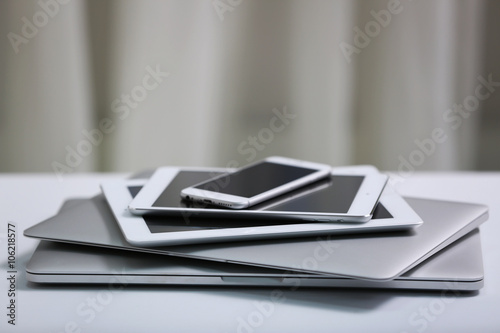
(257, 182)
(348, 194)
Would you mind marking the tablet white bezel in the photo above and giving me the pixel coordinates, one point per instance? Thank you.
(360, 210)
(137, 233)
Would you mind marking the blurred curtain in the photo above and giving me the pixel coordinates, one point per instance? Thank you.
(126, 85)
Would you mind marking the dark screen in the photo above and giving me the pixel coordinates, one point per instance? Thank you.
(171, 196)
(257, 179)
(334, 195)
(133, 190)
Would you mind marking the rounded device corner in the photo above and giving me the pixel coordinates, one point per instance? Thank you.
(136, 241)
(135, 211)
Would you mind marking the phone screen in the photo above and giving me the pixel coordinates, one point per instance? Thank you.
(256, 179)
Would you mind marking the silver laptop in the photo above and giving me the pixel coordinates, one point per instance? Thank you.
(381, 256)
(457, 267)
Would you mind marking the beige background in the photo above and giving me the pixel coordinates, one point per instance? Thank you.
(232, 67)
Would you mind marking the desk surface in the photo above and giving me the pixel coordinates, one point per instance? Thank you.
(27, 199)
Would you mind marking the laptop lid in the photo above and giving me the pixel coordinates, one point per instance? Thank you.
(457, 267)
(381, 256)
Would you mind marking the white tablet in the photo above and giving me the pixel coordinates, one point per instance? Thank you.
(392, 213)
(348, 194)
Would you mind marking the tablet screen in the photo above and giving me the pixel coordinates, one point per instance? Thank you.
(332, 195)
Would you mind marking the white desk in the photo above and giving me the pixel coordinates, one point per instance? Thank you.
(29, 199)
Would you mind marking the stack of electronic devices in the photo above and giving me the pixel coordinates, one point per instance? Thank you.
(278, 222)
